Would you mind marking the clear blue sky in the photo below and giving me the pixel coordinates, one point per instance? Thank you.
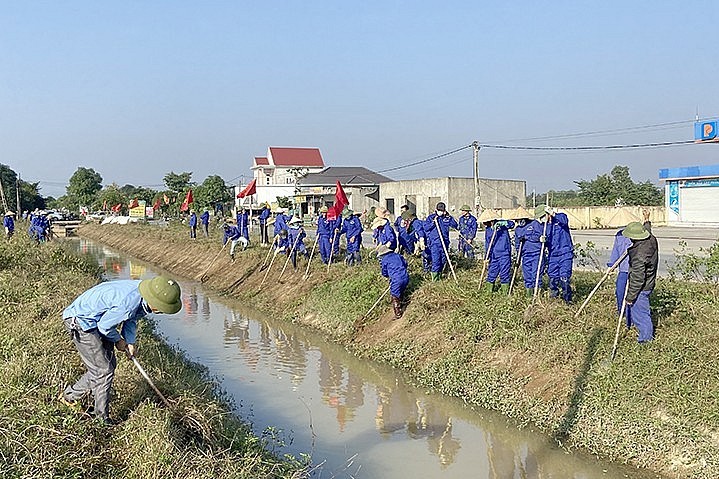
(136, 89)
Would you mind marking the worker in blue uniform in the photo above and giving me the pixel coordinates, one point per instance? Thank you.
(283, 243)
(352, 229)
(561, 255)
(400, 226)
(337, 232)
(104, 318)
(233, 234)
(205, 221)
(467, 230)
(193, 224)
(394, 267)
(620, 246)
(243, 225)
(499, 254)
(385, 234)
(534, 238)
(280, 221)
(9, 223)
(438, 238)
(643, 262)
(409, 233)
(296, 238)
(521, 219)
(325, 230)
(264, 215)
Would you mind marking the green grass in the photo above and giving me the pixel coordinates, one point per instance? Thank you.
(39, 437)
(654, 406)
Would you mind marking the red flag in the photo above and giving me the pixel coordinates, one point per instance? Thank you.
(250, 189)
(134, 203)
(188, 200)
(166, 199)
(340, 202)
(117, 207)
(156, 206)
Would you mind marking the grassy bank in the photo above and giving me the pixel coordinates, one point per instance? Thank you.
(39, 437)
(656, 406)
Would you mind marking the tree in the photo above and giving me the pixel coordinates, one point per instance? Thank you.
(30, 197)
(178, 183)
(617, 188)
(212, 191)
(139, 192)
(110, 196)
(83, 187)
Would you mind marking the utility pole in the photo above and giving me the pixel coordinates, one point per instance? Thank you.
(17, 195)
(2, 196)
(477, 198)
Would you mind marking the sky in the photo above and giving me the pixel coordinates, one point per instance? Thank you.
(137, 89)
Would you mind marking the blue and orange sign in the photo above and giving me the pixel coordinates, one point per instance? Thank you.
(705, 130)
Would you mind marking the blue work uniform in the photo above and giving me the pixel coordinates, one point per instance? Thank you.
(232, 233)
(394, 267)
(400, 225)
(386, 235)
(280, 223)
(336, 233)
(9, 225)
(438, 239)
(205, 220)
(92, 321)
(352, 228)
(621, 245)
(468, 230)
(500, 251)
(193, 225)
(561, 257)
(325, 229)
(531, 251)
(243, 224)
(264, 215)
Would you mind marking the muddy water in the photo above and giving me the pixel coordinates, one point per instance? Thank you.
(356, 418)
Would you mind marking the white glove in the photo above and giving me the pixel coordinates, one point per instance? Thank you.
(549, 210)
(542, 239)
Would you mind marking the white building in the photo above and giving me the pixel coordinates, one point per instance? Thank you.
(691, 195)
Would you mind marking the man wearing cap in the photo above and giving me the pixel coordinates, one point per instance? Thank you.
(499, 252)
(9, 223)
(264, 214)
(394, 267)
(205, 220)
(325, 229)
(193, 224)
(296, 238)
(534, 238)
(93, 319)
(438, 238)
(561, 255)
(467, 231)
(643, 261)
(352, 229)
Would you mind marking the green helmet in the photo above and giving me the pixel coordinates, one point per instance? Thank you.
(540, 211)
(346, 213)
(465, 208)
(635, 231)
(162, 294)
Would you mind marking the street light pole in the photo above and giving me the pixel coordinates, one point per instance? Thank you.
(477, 199)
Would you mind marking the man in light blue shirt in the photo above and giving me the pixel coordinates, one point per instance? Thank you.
(105, 317)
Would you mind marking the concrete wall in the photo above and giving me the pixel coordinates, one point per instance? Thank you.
(454, 192)
(586, 217)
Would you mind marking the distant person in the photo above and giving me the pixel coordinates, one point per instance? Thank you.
(233, 234)
(399, 226)
(324, 235)
(205, 220)
(243, 225)
(352, 229)
(468, 231)
(9, 223)
(384, 233)
(620, 246)
(93, 320)
(264, 215)
(643, 262)
(193, 224)
(436, 231)
(297, 244)
(394, 267)
(280, 221)
(534, 240)
(561, 256)
(498, 245)
(408, 234)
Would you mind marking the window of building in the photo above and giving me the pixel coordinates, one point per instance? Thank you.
(390, 204)
(267, 180)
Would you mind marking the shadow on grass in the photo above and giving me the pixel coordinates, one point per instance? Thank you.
(580, 384)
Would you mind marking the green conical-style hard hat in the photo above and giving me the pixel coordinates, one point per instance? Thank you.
(635, 231)
(162, 294)
(465, 208)
(540, 211)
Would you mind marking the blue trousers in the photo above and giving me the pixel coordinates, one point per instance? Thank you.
(398, 285)
(642, 317)
(438, 258)
(500, 266)
(559, 270)
(325, 248)
(622, 278)
(427, 260)
(529, 269)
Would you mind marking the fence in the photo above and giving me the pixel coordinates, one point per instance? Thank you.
(586, 217)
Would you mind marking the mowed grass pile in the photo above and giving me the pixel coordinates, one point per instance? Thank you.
(655, 406)
(39, 437)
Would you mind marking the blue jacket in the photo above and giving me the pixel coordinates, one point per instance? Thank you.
(387, 235)
(621, 244)
(502, 245)
(352, 227)
(193, 219)
(445, 223)
(394, 267)
(108, 305)
(325, 227)
(560, 240)
(293, 233)
(231, 233)
(468, 226)
(519, 228)
(531, 234)
(205, 218)
(9, 223)
(243, 220)
(280, 223)
(264, 215)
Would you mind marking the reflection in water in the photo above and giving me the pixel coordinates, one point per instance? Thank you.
(355, 408)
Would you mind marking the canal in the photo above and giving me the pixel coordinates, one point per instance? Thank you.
(356, 418)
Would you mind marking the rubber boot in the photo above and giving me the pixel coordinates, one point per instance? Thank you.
(488, 287)
(504, 289)
(529, 292)
(397, 306)
(436, 276)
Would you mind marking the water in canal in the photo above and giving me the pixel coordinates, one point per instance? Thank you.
(356, 418)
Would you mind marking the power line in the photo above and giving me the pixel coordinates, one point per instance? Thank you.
(590, 148)
(427, 160)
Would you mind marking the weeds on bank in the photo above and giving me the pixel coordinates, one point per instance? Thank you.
(39, 437)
